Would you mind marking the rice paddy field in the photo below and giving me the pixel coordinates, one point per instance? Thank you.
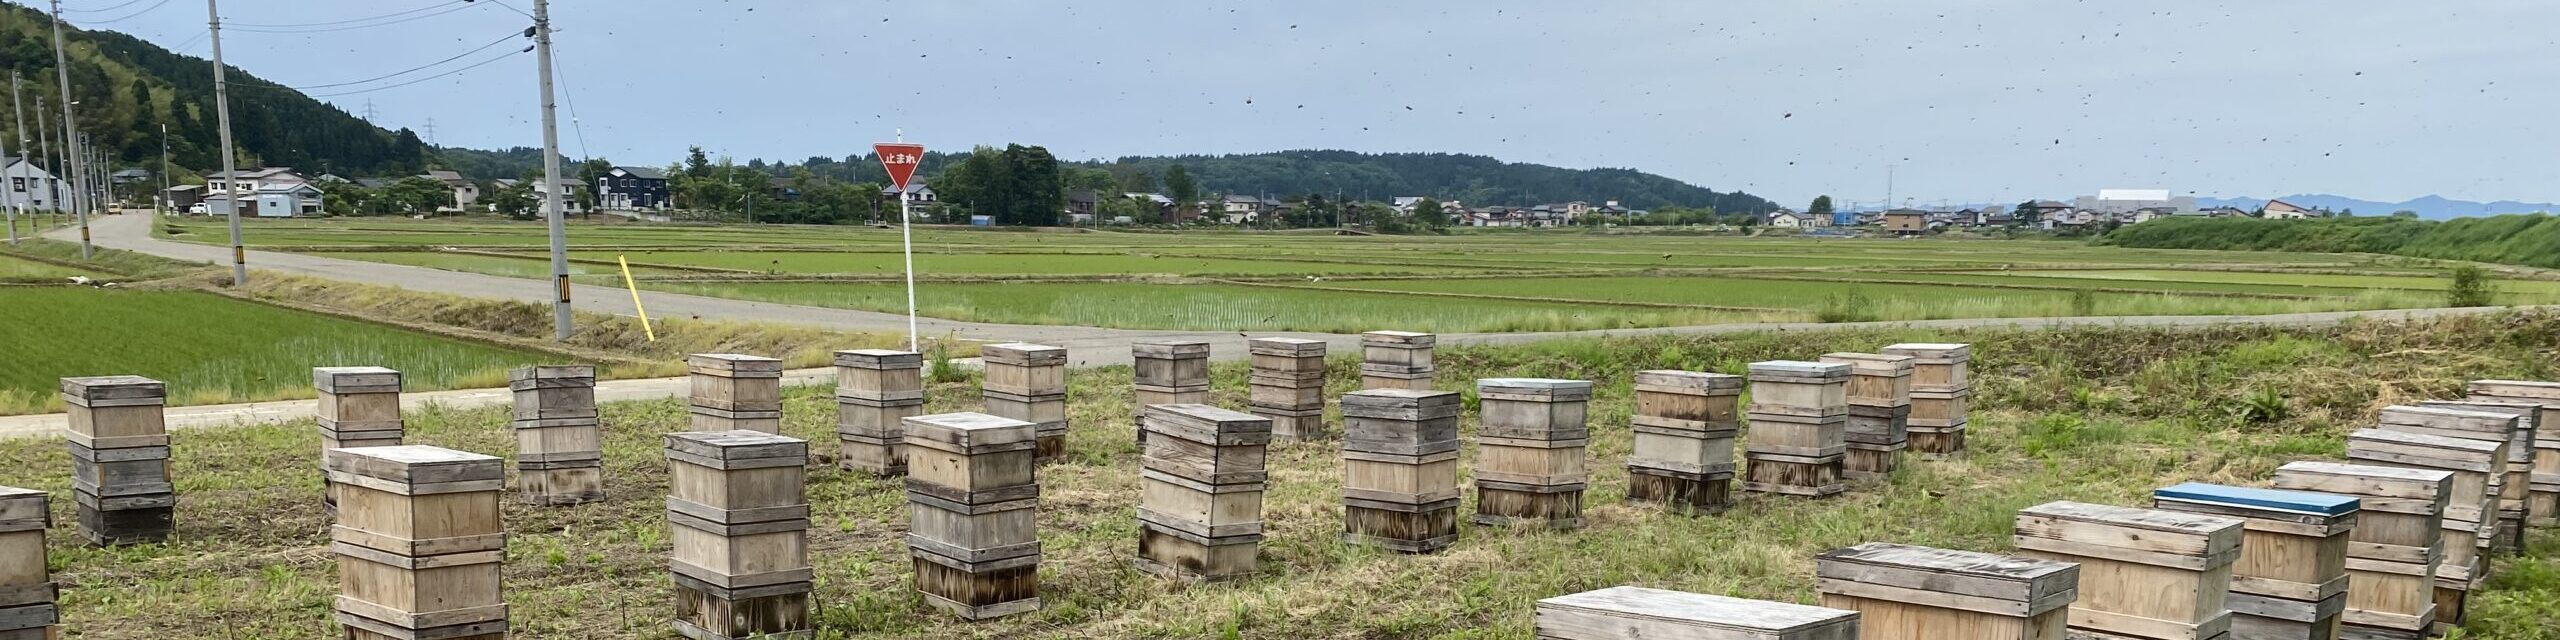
(2098, 414)
(212, 349)
(1464, 282)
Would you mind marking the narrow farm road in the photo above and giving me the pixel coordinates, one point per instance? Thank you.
(1087, 346)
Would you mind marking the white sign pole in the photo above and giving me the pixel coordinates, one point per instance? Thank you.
(907, 248)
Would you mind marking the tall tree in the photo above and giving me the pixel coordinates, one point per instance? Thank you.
(1821, 207)
(1179, 185)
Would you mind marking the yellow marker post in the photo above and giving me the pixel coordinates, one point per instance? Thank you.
(635, 298)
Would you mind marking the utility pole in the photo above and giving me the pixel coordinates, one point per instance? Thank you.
(53, 163)
(27, 189)
(230, 174)
(62, 73)
(160, 200)
(560, 322)
(16, 203)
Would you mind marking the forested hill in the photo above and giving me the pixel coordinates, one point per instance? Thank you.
(1477, 180)
(128, 88)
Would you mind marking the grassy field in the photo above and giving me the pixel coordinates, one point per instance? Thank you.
(212, 349)
(1498, 281)
(2100, 415)
(22, 270)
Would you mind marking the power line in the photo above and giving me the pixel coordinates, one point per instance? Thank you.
(477, 65)
(342, 25)
(447, 4)
(501, 40)
(129, 16)
(119, 5)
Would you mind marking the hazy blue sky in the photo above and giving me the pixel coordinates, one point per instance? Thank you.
(1983, 100)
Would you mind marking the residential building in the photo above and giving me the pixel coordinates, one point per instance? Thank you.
(269, 200)
(917, 193)
(465, 193)
(1784, 219)
(130, 176)
(1244, 209)
(1081, 205)
(30, 187)
(1906, 222)
(2226, 211)
(782, 188)
(2281, 210)
(570, 203)
(249, 180)
(631, 188)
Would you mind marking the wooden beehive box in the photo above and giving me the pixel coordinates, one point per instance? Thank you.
(1401, 421)
(1405, 351)
(1684, 430)
(419, 541)
(1628, 613)
(879, 375)
(561, 392)
(735, 382)
(2392, 553)
(738, 506)
(2515, 495)
(1903, 592)
(2291, 578)
(1875, 379)
(27, 590)
(357, 400)
(1201, 483)
(1530, 461)
(1292, 357)
(2143, 573)
(1171, 366)
(1689, 400)
(1797, 388)
(2543, 482)
(114, 412)
(1025, 369)
(1937, 365)
(973, 513)
(2477, 467)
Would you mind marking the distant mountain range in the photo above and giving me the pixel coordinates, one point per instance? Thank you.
(2430, 207)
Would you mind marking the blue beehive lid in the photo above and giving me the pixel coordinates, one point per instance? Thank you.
(2296, 501)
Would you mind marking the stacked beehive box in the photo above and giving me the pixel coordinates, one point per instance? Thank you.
(559, 441)
(419, 543)
(1637, 613)
(876, 391)
(1685, 423)
(2147, 574)
(119, 459)
(1530, 436)
(26, 583)
(1028, 382)
(2291, 579)
(2391, 555)
(2515, 497)
(1396, 360)
(2477, 466)
(1799, 418)
(2543, 483)
(1941, 395)
(1903, 592)
(1400, 469)
(359, 407)
(1879, 412)
(738, 517)
(735, 392)
(1201, 479)
(972, 517)
(1169, 372)
(1288, 386)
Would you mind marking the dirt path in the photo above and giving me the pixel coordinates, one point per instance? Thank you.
(1087, 346)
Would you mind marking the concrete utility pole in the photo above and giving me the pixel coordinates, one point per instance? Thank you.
(551, 193)
(52, 163)
(160, 200)
(15, 205)
(25, 190)
(230, 174)
(62, 73)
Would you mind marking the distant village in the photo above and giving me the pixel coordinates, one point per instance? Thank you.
(2111, 207)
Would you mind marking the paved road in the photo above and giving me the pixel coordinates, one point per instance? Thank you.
(1087, 346)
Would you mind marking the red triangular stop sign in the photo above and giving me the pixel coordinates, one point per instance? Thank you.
(900, 159)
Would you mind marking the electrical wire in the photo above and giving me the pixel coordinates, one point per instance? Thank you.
(119, 5)
(511, 35)
(439, 5)
(154, 6)
(318, 27)
(476, 65)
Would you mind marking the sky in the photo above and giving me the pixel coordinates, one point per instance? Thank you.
(1958, 100)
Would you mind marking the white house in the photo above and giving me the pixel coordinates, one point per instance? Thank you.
(2281, 210)
(272, 200)
(464, 192)
(1790, 220)
(917, 192)
(30, 187)
(248, 180)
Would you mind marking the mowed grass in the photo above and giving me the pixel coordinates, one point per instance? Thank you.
(211, 349)
(1210, 307)
(1878, 301)
(510, 266)
(15, 269)
(2096, 415)
(2538, 290)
